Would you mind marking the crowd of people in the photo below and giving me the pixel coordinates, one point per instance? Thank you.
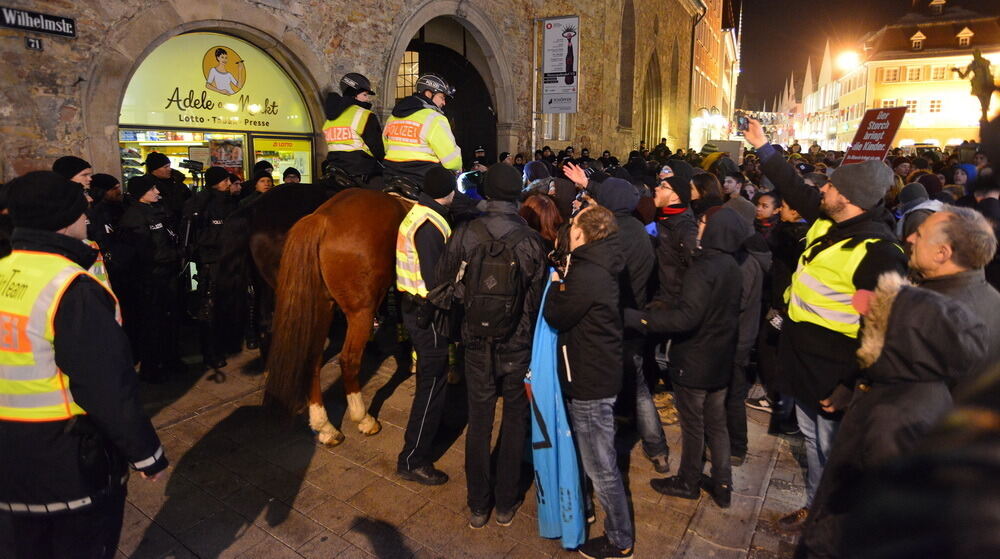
(860, 297)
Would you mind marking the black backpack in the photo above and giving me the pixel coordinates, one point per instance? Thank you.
(494, 287)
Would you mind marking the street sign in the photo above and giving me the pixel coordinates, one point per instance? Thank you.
(33, 43)
(34, 21)
(875, 135)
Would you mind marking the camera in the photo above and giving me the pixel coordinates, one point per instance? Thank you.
(742, 121)
(582, 198)
(192, 165)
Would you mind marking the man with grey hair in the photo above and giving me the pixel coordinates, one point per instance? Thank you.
(949, 252)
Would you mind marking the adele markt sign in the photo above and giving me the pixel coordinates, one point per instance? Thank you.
(34, 21)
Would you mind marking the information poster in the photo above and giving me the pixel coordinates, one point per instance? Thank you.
(875, 135)
(560, 64)
(228, 154)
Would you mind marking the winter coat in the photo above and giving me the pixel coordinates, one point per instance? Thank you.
(583, 308)
(914, 342)
(150, 240)
(990, 207)
(676, 245)
(173, 195)
(786, 242)
(500, 219)
(42, 461)
(357, 163)
(704, 320)
(754, 258)
(634, 243)
(204, 216)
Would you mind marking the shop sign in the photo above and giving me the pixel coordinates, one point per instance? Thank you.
(213, 81)
(875, 135)
(560, 64)
(34, 21)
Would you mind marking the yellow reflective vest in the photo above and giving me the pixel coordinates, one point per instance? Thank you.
(422, 136)
(408, 277)
(32, 388)
(823, 284)
(344, 132)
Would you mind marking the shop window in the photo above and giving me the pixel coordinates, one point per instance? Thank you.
(913, 74)
(409, 71)
(891, 75)
(935, 106)
(938, 73)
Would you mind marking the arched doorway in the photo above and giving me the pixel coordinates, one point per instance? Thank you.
(652, 104)
(475, 65)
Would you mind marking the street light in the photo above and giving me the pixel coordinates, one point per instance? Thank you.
(848, 60)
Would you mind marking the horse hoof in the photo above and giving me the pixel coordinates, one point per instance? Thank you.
(330, 440)
(369, 426)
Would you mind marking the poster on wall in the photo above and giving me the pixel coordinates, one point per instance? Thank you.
(560, 64)
(228, 154)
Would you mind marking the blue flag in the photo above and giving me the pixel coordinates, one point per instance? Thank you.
(558, 484)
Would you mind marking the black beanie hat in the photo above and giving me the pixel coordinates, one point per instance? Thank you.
(682, 187)
(68, 166)
(439, 182)
(45, 200)
(503, 182)
(262, 166)
(139, 186)
(155, 160)
(100, 184)
(215, 175)
(291, 171)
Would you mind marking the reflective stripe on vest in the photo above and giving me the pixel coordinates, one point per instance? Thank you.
(32, 388)
(408, 277)
(344, 132)
(423, 136)
(823, 287)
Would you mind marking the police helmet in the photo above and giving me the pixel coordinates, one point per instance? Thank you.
(434, 84)
(356, 83)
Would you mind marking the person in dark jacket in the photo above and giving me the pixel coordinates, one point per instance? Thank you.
(583, 307)
(153, 262)
(986, 197)
(635, 245)
(63, 473)
(204, 216)
(704, 324)
(915, 343)
(258, 185)
(849, 245)
(344, 132)
(172, 193)
(495, 368)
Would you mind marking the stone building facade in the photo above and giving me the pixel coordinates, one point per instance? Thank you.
(635, 65)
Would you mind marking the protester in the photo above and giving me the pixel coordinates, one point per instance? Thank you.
(541, 214)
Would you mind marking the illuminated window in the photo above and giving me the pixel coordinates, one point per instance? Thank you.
(935, 106)
(913, 74)
(965, 37)
(409, 71)
(887, 103)
(963, 41)
(891, 75)
(917, 45)
(938, 73)
(917, 40)
(911, 105)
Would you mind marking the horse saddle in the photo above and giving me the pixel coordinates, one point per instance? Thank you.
(337, 178)
(402, 186)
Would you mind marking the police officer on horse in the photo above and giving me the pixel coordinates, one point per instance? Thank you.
(353, 133)
(418, 136)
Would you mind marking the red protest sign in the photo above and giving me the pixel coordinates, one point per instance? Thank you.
(875, 134)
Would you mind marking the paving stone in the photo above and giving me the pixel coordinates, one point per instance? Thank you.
(381, 539)
(225, 534)
(695, 547)
(386, 501)
(354, 552)
(751, 478)
(336, 515)
(341, 478)
(732, 527)
(523, 551)
(326, 544)
(141, 538)
(269, 549)
(433, 526)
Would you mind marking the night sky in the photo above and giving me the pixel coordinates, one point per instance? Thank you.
(778, 35)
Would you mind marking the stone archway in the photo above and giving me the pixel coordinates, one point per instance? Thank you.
(129, 44)
(484, 31)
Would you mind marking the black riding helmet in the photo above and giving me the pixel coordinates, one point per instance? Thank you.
(434, 84)
(353, 83)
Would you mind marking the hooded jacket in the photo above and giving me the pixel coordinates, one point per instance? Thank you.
(754, 258)
(704, 321)
(634, 244)
(357, 163)
(583, 308)
(675, 246)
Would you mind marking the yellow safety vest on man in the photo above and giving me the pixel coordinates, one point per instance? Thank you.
(423, 136)
(823, 284)
(408, 277)
(32, 388)
(344, 132)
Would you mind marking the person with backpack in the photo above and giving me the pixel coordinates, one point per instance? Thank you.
(500, 265)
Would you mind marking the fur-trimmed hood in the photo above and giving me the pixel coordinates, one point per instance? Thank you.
(913, 334)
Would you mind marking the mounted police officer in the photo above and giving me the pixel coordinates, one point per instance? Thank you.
(71, 421)
(418, 136)
(353, 133)
(204, 216)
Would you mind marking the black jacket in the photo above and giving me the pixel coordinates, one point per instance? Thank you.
(786, 241)
(173, 195)
(754, 258)
(41, 461)
(204, 216)
(990, 207)
(150, 239)
(818, 359)
(704, 320)
(357, 163)
(500, 218)
(676, 245)
(634, 243)
(413, 170)
(584, 310)
(430, 243)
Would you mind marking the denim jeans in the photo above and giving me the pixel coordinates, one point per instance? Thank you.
(703, 417)
(594, 429)
(647, 421)
(819, 432)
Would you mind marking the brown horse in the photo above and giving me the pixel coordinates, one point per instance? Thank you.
(343, 254)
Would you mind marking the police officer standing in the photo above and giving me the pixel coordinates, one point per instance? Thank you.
(352, 131)
(70, 418)
(419, 246)
(418, 136)
(172, 192)
(204, 216)
(152, 304)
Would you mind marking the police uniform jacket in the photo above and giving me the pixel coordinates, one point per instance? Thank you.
(205, 214)
(151, 239)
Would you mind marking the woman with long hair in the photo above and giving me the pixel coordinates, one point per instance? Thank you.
(540, 211)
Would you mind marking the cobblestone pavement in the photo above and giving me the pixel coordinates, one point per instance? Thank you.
(245, 484)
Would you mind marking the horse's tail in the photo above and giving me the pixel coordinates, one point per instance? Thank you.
(234, 275)
(301, 317)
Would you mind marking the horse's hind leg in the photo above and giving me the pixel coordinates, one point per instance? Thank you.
(359, 324)
(326, 433)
